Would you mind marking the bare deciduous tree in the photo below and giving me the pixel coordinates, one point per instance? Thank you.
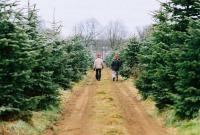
(88, 30)
(143, 32)
(115, 34)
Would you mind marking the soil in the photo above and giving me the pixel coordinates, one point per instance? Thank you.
(105, 108)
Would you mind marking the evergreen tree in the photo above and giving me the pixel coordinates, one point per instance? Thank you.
(33, 65)
(42, 90)
(130, 59)
(79, 58)
(62, 70)
(16, 63)
(188, 83)
(165, 57)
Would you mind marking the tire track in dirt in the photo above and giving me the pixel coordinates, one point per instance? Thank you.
(106, 117)
(138, 121)
(75, 116)
(105, 108)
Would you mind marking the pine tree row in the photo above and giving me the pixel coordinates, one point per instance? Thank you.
(32, 65)
(171, 59)
(167, 62)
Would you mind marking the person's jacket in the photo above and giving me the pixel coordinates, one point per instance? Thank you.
(98, 63)
(116, 64)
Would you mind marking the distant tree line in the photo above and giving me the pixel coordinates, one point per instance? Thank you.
(95, 36)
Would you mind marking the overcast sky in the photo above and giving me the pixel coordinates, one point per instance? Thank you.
(133, 13)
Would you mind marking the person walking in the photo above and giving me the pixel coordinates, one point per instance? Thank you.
(98, 66)
(116, 64)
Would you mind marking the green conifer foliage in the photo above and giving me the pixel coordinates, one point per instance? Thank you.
(42, 90)
(34, 65)
(16, 62)
(129, 58)
(188, 83)
(170, 58)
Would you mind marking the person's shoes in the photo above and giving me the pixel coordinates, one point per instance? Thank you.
(113, 79)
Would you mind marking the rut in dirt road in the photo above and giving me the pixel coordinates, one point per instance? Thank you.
(105, 108)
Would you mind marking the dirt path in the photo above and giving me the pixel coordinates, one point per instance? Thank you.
(105, 108)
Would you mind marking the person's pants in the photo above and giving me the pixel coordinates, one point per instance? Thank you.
(115, 74)
(98, 74)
